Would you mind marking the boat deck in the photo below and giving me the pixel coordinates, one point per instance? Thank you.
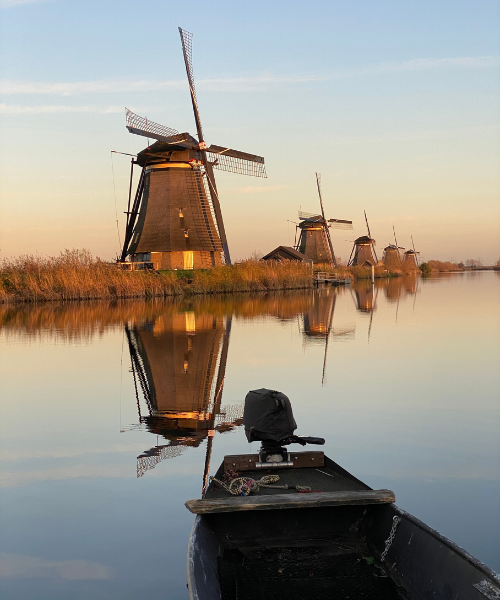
(328, 478)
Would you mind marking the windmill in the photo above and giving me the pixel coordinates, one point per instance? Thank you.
(392, 256)
(314, 240)
(175, 220)
(363, 251)
(410, 262)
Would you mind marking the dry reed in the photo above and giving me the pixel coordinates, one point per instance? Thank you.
(76, 275)
(438, 266)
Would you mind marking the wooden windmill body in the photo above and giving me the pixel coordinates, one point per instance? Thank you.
(175, 220)
(363, 252)
(392, 255)
(410, 261)
(314, 241)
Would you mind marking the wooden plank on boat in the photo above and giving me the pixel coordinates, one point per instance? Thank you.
(246, 462)
(294, 500)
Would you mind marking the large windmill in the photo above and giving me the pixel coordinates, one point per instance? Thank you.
(314, 240)
(363, 251)
(175, 220)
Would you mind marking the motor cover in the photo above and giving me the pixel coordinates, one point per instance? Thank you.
(268, 416)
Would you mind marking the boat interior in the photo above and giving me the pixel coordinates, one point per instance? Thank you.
(306, 550)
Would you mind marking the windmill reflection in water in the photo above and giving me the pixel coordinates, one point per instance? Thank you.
(318, 322)
(178, 366)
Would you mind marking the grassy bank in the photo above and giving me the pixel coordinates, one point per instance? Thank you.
(76, 275)
(438, 266)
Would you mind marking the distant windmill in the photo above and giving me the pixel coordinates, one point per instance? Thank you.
(392, 256)
(410, 261)
(363, 251)
(175, 220)
(314, 240)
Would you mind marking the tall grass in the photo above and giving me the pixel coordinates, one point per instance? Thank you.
(77, 275)
(438, 266)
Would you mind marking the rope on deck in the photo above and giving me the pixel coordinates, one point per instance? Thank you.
(242, 486)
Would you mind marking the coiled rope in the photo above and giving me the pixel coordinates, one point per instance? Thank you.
(242, 486)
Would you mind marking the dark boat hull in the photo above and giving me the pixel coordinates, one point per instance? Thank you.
(420, 563)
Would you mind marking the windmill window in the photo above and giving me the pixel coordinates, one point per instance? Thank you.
(181, 214)
(188, 260)
(186, 233)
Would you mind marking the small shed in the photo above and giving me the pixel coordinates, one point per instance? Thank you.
(286, 253)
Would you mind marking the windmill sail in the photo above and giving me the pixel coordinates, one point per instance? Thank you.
(187, 50)
(340, 224)
(235, 161)
(141, 126)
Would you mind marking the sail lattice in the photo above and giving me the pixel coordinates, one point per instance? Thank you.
(142, 126)
(187, 48)
(230, 414)
(232, 164)
(156, 455)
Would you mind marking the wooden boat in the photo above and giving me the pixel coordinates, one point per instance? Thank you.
(341, 541)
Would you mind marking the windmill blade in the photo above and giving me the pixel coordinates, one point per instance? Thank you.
(318, 182)
(187, 50)
(305, 216)
(395, 238)
(413, 244)
(234, 161)
(142, 126)
(367, 226)
(328, 238)
(340, 224)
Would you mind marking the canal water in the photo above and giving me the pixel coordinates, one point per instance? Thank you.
(112, 415)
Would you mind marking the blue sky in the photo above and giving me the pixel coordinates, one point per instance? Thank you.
(395, 104)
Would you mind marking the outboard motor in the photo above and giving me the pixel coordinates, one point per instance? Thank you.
(268, 418)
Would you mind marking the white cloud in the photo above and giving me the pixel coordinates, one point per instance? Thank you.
(421, 64)
(415, 135)
(8, 3)
(236, 84)
(19, 566)
(17, 109)
(8, 479)
(107, 86)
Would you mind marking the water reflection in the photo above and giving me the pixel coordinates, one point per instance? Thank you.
(318, 322)
(364, 293)
(70, 460)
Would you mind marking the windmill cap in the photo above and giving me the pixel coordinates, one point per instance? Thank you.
(364, 239)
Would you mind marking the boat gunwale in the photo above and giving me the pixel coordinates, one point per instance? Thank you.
(472, 560)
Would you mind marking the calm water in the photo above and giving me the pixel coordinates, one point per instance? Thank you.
(402, 381)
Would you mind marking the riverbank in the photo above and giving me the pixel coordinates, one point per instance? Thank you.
(76, 275)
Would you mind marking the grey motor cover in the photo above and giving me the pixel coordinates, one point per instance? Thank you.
(268, 416)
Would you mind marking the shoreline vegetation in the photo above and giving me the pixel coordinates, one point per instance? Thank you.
(77, 275)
